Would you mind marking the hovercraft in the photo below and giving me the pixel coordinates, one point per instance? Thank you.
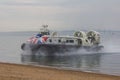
(48, 42)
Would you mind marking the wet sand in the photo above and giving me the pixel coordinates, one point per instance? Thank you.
(10, 71)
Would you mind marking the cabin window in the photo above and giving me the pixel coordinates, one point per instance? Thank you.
(69, 41)
(50, 40)
(45, 33)
(59, 41)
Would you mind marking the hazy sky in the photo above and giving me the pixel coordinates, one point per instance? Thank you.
(19, 15)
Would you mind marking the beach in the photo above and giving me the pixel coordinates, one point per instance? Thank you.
(10, 71)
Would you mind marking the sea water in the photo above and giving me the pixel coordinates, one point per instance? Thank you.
(106, 61)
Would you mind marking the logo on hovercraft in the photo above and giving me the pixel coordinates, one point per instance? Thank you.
(37, 39)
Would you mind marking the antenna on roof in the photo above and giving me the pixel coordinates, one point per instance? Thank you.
(44, 26)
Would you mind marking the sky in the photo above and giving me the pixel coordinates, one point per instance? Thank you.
(30, 15)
